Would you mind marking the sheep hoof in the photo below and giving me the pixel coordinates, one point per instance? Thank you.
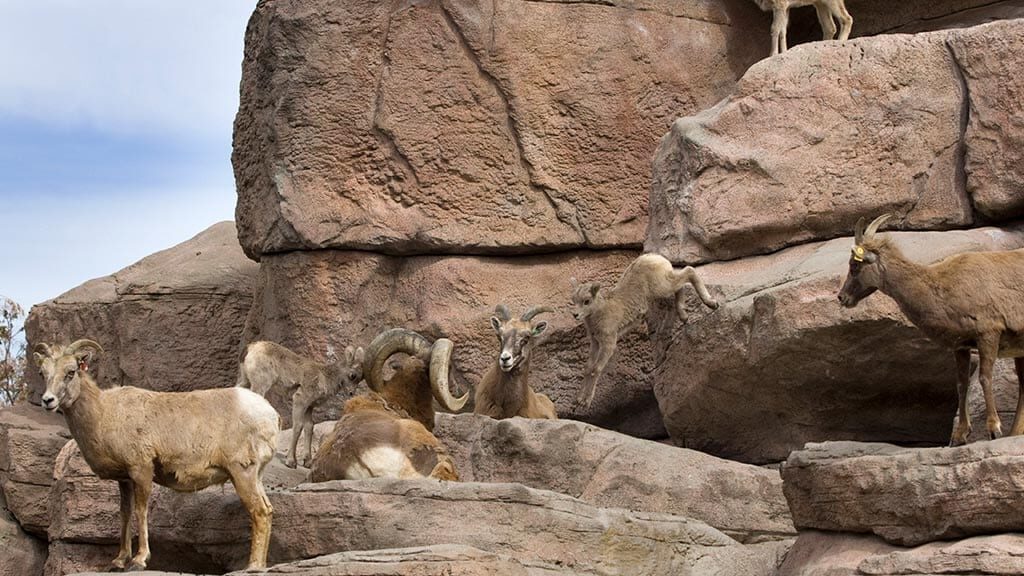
(291, 464)
(135, 567)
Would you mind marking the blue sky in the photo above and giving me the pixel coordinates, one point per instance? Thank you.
(115, 133)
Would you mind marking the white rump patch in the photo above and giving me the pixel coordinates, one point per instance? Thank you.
(252, 403)
(381, 462)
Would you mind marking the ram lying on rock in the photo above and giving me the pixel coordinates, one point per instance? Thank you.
(387, 432)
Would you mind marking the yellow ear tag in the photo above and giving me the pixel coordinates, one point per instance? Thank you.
(858, 253)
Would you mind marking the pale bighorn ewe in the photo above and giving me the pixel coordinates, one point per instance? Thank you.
(387, 432)
(504, 391)
(827, 10)
(969, 301)
(185, 441)
(309, 383)
(608, 314)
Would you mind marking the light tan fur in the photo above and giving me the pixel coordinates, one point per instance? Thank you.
(387, 434)
(504, 391)
(267, 364)
(182, 440)
(970, 301)
(828, 11)
(608, 314)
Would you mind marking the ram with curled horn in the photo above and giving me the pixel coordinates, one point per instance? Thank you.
(504, 391)
(969, 301)
(387, 432)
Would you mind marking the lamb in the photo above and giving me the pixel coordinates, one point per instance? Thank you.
(969, 301)
(309, 383)
(610, 314)
(185, 441)
(827, 10)
(504, 391)
(388, 431)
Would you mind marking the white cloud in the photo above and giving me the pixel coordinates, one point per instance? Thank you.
(131, 66)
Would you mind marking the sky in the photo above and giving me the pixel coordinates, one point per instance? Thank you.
(115, 133)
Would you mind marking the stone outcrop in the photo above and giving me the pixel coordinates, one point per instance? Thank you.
(327, 299)
(20, 554)
(30, 439)
(608, 469)
(907, 496)
(781, 363)
(459, 126)
(171, 321)
(316, 519)
(813, 139)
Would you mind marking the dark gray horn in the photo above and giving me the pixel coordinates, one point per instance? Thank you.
(385, 345)
(873, 227)
(501, 311)
(533, 311)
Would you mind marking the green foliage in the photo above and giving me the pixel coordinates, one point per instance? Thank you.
(13, 364)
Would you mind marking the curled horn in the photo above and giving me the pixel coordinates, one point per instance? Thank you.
(533, 311)
(384, 346)
(440, 361)
(42, 347)
(858, 232)
(873, 227)
(83, 343)
(501, 311)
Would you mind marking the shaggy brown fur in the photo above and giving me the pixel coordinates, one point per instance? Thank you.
(504, 391)
(827, 10)
(267, 364)
(970, 301)
(182, 440)
(386, 434)
(608, 314)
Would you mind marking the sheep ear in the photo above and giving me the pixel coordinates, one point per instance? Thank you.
(350, 353)
(85, 357)
(539, 327)
(360, 356)
(496, 324)
(594, 287)
(38, 358)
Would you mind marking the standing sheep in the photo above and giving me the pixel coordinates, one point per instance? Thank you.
(609, 314)
(828, 12)
(185, 441)
(970, 301)
(267, 364)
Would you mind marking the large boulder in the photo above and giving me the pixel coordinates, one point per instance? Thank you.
(209, 531)
(919, 125)
(609, 469)
(30, 439)
(20, 553)
(907, 496)
(781, 363)
(315, 301)
(171, 321)
(461, 126)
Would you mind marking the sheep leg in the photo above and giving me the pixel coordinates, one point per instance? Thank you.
(988, 350)
(125, 487)
(1018, 420)
(307, 429)
(299, 408)
(142, 481)
(963, 383)
(845, 20)
(685, 276)
(589, 389)
(780, 21)
(828, 26)
(250, 491)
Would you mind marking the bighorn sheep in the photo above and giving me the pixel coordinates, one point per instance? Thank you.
(609, 314)
(182, 440)
(967, 301)
(387, 432)
(504, 391)
(309, 383)
(827, 10)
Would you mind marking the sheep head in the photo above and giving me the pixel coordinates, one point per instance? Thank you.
(586, 298)
(436, 355)
(517, 336)
(62, 368)
(348, 370)
(865, 275)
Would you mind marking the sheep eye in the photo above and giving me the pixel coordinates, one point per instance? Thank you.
(70, 375)
(352, 376)
(586, 302)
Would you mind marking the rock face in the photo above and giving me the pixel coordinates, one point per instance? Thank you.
(608, 469)
(316, 519)
(171, 321)
(819, 136)
(319, 300)
(22, 555)
(30, 439)
(781, 363)
(907, 496)
(460, 126)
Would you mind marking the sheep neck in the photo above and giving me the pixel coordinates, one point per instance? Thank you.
(512, 387)
(85, 416)
(911, 286)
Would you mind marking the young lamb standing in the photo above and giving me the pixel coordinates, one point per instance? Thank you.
(827, 10)
(609, 314)
(504, 391)
(267, 364)
(970, 301)
(185, 441)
